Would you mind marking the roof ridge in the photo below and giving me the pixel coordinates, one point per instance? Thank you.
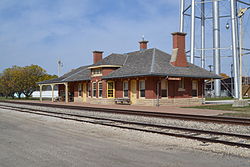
(125, 59)
(139, 51)
(152, 62)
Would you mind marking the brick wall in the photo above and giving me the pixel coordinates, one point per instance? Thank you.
(107, 71)
(151, 91)
(151, 87)
(118, 88)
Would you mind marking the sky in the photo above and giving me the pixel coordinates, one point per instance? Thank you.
(43, 31)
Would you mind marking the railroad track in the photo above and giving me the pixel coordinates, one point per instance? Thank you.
(232, 139)
(215, 119)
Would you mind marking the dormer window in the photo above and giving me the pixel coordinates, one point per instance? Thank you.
(96, 72)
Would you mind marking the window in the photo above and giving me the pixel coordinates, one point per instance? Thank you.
(181, 83)
(164, 88)
(111, 89)
(96, 71)
(142, 88)
(194, 88)
(80, 89)
(100, 89)
(125, 89)
(89, 90)
(94, 89)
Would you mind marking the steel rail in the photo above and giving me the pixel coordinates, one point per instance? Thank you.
(202, 118)
(163, 127)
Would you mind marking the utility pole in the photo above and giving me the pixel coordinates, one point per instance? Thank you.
(59, 66)
(240, 102)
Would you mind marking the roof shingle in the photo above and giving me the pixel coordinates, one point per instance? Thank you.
(149, 62)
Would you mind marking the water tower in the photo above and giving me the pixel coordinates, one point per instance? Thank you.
(210, 15)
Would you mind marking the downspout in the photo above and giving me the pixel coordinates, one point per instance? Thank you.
(157, 91)
(202, 92)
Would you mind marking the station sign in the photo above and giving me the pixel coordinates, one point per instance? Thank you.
(174, 79)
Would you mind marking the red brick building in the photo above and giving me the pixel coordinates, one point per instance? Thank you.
(143, 77)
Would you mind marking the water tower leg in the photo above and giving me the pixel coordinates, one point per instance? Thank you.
(216, 46)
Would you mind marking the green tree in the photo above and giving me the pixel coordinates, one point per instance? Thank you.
(22, 80)
(7, 82)
(32, 75)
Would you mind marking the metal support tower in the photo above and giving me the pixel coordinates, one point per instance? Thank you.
(188, 8)
(216, 46)
(182, 4)
(203, 33)
(192, 33)
(235, 44)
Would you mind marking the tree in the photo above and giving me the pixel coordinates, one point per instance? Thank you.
(22, 80)
(32, 75)
(8, 81)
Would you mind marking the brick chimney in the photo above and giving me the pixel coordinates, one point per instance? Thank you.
(178, 57)
(97, 56)
(143, 44)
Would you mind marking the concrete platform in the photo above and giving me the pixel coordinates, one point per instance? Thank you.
(161, 109)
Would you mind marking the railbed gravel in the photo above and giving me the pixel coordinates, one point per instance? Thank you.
(220, 127)
(162, 142)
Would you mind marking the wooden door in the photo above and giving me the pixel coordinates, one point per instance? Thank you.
(133, 92)
(84, 92)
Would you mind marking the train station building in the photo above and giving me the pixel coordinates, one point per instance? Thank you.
(145, 77)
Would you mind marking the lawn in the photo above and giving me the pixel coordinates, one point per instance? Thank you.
(222, 98)
(240, 111)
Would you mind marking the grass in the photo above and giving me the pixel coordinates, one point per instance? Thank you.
(222, 98)
(240, 111)
(218, 98)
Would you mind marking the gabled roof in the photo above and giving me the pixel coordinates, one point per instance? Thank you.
(148, 62)
(154, 62)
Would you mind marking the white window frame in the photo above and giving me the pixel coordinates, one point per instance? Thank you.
(100, 89)
(197, 88)
(125, 90)
(181, 85)
(89, 89)
(94, 90)
(140, 89)
(166, 82)
(96, 72)
(80, 86)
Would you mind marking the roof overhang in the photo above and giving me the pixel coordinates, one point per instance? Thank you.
(161, 75)
(102, 66)
(52, 83)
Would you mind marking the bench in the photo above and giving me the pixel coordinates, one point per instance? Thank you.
(122, 101)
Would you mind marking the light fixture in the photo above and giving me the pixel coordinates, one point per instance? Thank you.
(227, 26)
